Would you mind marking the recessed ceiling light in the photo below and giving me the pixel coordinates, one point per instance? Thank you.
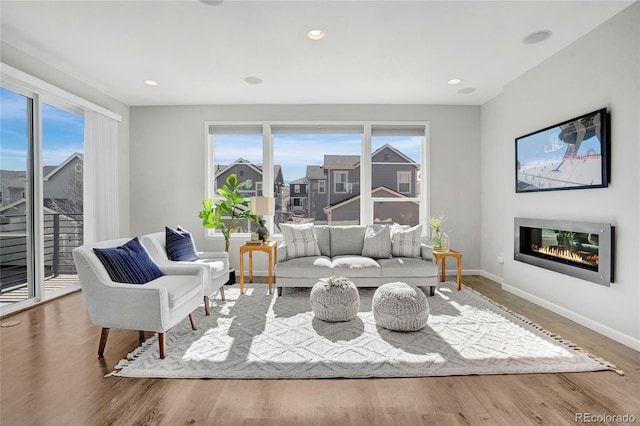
(537, 37)
(454, 81)
(253, 80)
(151, 82)
(466, 90)
(315, 34)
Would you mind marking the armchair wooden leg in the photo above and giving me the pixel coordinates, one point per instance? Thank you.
(141, 336)
(193, 323)
(161, 343)
(222, 293)
(206, 305)
(103, 341)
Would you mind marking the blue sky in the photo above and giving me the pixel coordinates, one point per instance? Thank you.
(295, 152)
(62, 131)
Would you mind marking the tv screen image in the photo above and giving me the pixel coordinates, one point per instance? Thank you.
(567, 155)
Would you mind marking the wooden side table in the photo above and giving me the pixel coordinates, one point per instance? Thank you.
(442, 255)
(271, 248)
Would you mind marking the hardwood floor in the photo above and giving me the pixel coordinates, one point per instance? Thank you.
(51, 375)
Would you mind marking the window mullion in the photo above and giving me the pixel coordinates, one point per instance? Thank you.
(366, 202)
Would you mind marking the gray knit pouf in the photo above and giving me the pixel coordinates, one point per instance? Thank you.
(400, 307)
(335, 302)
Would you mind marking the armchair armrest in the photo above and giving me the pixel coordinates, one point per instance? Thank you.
(217, 255)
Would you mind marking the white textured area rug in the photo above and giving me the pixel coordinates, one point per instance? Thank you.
(263, 336)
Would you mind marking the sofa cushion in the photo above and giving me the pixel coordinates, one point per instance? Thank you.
(323, 237)
(180, 245)
(300, 240)
(355, 266)
(347, 239)
(129, 263)
(398, 267)
(305, 267)
(377, 242)
(406, 242)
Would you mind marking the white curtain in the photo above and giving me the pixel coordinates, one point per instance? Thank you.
(101, 205)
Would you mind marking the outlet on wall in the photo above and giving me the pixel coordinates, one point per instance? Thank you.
(500, 258)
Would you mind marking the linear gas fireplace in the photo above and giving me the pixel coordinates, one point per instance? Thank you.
(581, 249)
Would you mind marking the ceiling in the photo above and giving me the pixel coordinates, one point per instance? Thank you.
(374, 52)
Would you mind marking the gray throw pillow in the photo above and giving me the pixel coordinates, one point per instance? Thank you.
(406, 242)
(377, 242)
(300, 240)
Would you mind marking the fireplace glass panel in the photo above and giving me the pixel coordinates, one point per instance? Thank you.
(578, 249)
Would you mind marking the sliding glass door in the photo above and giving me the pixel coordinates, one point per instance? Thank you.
(16, 192)
(41, 191)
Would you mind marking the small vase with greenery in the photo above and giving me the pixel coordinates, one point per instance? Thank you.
(435, 222)
(227, 213)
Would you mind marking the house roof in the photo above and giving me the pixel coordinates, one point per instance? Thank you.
(50, 171)
(299, 181)
(341, 161)
(315, 172)
(378, 191)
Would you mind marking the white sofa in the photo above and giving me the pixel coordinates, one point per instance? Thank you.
(215, 265)
(341, 254)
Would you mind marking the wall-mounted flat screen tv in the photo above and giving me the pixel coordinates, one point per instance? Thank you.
(568, 155)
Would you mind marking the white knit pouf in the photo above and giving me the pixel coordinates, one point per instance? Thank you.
(400, 307)
(335, 299)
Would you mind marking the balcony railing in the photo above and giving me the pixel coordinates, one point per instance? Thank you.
(62, 233)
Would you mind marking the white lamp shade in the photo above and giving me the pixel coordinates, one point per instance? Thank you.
(263, 206)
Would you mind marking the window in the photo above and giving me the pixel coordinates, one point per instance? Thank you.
(309, 153)
(404, 182)
(245, 163)
(345, 186)
(322, 186)
(395, 166)
(341, 182)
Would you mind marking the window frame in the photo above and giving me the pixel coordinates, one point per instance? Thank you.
(322, 186)
(366, 199)
(337, 173)
(398, 182)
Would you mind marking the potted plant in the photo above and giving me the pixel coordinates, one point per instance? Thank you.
(231, 207)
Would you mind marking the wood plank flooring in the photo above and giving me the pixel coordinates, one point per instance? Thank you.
(51, 375)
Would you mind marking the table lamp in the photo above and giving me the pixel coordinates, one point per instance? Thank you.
(262, 206)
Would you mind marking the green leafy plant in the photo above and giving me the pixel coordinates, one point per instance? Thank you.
(229, 211)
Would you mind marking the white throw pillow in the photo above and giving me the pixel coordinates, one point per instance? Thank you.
(300, 240)
(406, 242)
(377, 243)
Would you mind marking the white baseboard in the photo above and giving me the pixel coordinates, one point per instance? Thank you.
(573, 316)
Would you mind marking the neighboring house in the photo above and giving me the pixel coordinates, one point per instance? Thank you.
(299, 197)
(333, 188)
(244, 170)
(12, 184)
(318, 193)
(62, 185)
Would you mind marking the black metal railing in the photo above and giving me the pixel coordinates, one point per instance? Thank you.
(62, 233)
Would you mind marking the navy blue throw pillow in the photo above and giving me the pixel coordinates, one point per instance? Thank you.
(128, 263)
(180, 245)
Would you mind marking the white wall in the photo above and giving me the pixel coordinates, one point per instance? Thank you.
(599, 70)
(167, 173)
(31, 65)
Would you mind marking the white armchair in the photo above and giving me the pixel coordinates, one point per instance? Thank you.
(155, 306)
(214, 264)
